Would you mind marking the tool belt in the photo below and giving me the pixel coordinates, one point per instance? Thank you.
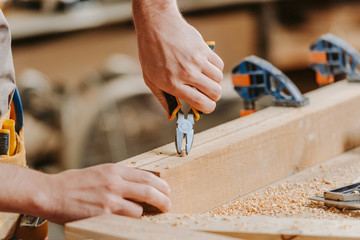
(12, 151)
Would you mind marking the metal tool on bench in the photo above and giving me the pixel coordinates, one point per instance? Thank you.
(347, 197)
(184, 124)
(330, 55)
(31, 228)
(254, 77)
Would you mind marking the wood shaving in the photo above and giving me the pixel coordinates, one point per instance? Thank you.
(290, 198)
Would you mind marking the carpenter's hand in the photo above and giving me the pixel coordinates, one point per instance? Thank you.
(104, 189)
(175, 58)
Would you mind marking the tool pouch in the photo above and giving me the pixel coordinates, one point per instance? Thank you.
(11, 223)
(18, 158)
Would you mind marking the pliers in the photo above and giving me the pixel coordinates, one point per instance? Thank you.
(184, 124)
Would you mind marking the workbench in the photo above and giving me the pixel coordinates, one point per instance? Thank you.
(248, 159)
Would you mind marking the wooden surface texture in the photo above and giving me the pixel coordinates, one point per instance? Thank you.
(241, 156)
(114, 227)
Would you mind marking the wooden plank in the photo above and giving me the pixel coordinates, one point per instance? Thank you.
(307, 223)
(114, 227)
(267, 227)
(249, 153)
(8, 223)
(304, 227)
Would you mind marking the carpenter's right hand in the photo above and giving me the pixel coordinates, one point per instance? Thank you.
(104, 189)
(174, 56)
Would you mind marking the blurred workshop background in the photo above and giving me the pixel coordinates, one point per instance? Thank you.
(80, 81)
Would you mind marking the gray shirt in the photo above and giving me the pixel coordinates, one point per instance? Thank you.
(7, 74)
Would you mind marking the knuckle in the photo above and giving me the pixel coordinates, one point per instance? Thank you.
(149, 192)
(147, 177)
(107, 204)
(197, 102)
(112, 185)
(109, 168)
(172, 83)
(200, 59)
(191, 72)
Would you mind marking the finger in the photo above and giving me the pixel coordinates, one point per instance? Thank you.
(158, 93)
(129, 208)
(207, 86)
(148, 194)
(215, 60)
(139, 176)
(212, 72)
(196, 98)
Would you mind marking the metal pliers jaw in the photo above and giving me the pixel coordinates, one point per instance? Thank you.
(184, 124)
(184, 129)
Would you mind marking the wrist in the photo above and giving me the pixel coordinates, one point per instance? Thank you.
(40, 201)
(148, 12)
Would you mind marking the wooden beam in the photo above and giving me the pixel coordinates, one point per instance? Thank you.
(299, 227)
(249, 153)
(114, 227)
(261, 227)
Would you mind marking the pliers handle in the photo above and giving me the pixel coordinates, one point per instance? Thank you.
(174, 105)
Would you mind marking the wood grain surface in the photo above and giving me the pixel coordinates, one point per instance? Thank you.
(241, 156)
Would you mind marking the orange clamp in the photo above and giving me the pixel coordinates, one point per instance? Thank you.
(324, 80)
(245, 112)
(318, 57)
(241, 80)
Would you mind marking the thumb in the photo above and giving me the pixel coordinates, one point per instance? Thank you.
(158, 93)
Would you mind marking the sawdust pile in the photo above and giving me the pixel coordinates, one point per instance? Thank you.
(290, 198)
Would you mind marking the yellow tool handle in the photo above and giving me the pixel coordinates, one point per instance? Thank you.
(10, 125)
(174, 105)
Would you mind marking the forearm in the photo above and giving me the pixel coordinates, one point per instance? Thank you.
(23, 190)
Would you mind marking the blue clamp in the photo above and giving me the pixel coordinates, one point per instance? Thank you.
(330, 55)
(254, 77)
